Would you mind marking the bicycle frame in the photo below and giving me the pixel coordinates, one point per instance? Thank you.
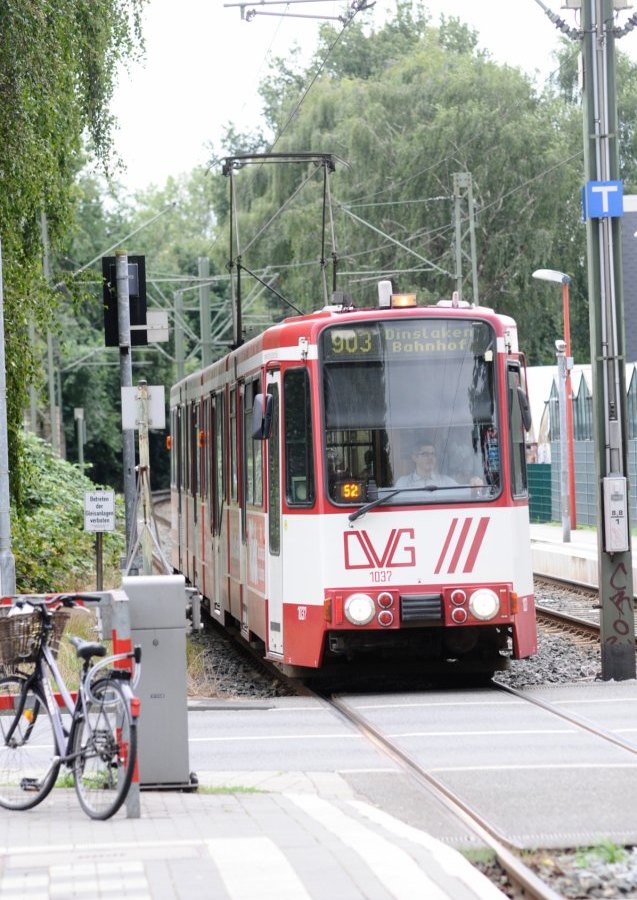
(60, 703)
(42, 676)
(46, 667)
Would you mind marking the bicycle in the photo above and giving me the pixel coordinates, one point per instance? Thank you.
(99, 746)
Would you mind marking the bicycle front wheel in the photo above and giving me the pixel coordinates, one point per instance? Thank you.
(105, 742)
(29, 763)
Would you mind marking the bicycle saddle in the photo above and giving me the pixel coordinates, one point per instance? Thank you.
(87, 649)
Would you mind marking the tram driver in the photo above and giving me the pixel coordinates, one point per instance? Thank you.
(425, 472)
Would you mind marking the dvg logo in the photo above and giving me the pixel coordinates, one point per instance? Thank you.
(360, 552)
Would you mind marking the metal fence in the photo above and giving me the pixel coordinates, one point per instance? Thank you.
(545, 480)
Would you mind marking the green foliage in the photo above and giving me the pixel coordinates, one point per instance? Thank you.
(408, 106)
(57, 65)
(607, 852)
(175, 227)
(52, 551)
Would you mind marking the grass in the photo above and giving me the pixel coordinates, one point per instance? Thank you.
(81, 624)
(65, 779)
(479, 855)
(202, 680)
(607, 852)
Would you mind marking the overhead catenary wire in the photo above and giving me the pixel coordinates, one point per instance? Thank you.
(389, 239)
(357, 6)
(427, 234)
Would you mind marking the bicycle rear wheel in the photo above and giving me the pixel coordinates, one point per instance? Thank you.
(105, 742)
(29, 763)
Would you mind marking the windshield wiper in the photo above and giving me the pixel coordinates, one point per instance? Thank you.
(430, 488)
(373, 503)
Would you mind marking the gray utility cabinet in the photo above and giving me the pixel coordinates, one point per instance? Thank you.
(158, 625)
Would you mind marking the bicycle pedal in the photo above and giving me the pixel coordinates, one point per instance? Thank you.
(29, 784)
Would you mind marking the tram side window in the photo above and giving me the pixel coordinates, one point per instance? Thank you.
(253, 450)
(205, 451)
(184, 448)
(194, 449)
(219, 474)
(518, 445)
(299, 456)
(274, 500)
(234, 478)
(173, 447)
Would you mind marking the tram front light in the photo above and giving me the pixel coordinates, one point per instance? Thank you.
(359, 609)
(458, 615)
(403, 301)
(484, 604)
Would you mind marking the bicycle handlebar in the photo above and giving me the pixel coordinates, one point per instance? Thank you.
(46, 601)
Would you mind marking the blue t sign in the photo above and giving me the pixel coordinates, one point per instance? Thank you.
(603, 199)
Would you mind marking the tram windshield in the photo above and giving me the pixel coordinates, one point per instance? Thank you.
(410, 411)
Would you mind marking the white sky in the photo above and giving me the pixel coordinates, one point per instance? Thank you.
(203, 65)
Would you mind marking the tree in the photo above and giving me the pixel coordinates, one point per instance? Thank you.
(406, 107)
(57, 67)
(173, 227)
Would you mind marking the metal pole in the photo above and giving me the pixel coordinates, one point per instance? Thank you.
(179, 333)
(7, 559)
(472, 244)
(55, 434)
(204, 312)
(562, 278)
(46, 267)
(569, 407)
(126, 380)
(33, 397)
(79, 423)
(608, 367)
(458, 226)
(99, 560)
(144, 476)
(58, 404)
(560, 347)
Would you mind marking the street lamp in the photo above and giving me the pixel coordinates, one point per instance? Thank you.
(560, 348)
(565, 280)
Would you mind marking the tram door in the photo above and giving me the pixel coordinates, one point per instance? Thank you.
(275, 565)
(178, 457)
(219, 591)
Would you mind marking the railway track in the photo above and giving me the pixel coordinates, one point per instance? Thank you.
(572, 609)
(523, 881)
(522, 878)
(562, 609)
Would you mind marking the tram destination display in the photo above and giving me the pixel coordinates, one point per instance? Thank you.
(374, 342)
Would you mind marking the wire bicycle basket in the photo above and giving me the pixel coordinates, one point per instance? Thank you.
(21, 635)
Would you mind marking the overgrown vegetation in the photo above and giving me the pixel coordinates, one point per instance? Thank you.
(606, 851)
(406, 104)
(52, 550)
(57, 70)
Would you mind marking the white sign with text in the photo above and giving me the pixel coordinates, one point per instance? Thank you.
(99, 511)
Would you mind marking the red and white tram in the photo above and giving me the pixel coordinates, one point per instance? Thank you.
(294, 512)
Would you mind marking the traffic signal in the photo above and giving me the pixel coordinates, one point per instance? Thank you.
(137, 300)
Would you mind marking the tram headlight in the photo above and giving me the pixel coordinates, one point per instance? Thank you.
(359, 609)
(484, 604)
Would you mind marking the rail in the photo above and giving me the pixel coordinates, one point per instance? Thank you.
(520, 875)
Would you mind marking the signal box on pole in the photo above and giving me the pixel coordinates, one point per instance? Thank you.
(137, 300)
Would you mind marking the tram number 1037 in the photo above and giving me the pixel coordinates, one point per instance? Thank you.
(381, 576)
